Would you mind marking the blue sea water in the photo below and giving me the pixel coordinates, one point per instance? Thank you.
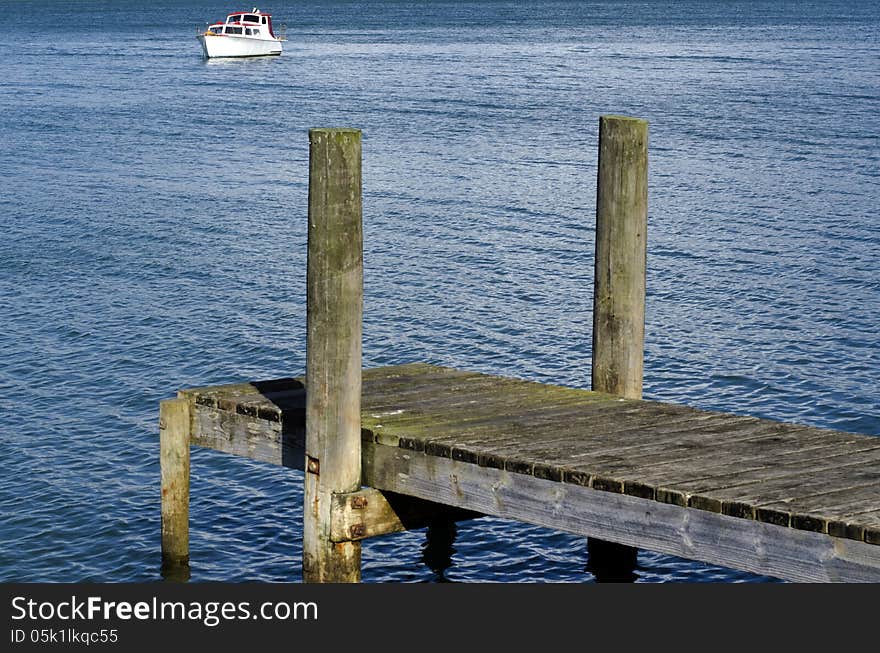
(153, 216)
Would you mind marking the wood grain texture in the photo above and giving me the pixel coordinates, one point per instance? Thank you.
(621, 252)
(334, 310)
(369, 512)
(744, 544)
(799, 477)
(263, 421)
(174, 461)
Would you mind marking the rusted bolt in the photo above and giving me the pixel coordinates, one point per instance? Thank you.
(359, 502)
(357, 530)
(313, 465)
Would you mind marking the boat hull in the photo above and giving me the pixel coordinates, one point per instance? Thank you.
(238, 46)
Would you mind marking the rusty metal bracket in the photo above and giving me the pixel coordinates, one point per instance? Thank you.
(369, 512)
(351, 514)
(359, 501)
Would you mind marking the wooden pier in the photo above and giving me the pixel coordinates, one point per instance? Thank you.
(392, 448)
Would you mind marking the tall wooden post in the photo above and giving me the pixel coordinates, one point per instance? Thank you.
(174, 436)
(333, 357)
(621, 249)
(619, 288)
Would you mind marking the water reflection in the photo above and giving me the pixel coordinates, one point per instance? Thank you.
(175, 572)
(438, 549)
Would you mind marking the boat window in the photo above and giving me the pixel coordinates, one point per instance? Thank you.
(252, 19)
(234, 19)
(233, 30)
(247, 31)
(256, 31)
(264, 20)
(216, 30)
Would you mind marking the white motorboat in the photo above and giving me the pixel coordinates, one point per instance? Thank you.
(242, 34)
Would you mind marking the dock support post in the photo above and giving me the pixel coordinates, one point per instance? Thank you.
(621, 251)
(619, 287)
(175, 425)
(333, 357)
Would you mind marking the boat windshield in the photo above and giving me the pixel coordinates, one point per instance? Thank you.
(243, 18)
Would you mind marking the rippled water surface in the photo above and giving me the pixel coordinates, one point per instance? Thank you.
(153, 213)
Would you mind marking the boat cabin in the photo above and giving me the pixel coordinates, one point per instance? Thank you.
(244, 23)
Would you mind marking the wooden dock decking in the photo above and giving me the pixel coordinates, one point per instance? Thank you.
(780, 499)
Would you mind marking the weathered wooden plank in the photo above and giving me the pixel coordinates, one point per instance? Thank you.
(544, 424)
(871, 521)
(369, 512)
(699, 535)
(611, 468)
(244, 388)
(732, 438)
(287, 394)
(495, 445)
(415, 371)
(487, 397)
(589, 456)
(851, 513)
(742, 499)
(509, 424)
(481, 396)
(811, 468)
(382, 394)
(697, 462)
(607, 434)
(278, 443)
(747, 455)
(486, 408)
(677, 485)
(442, 434)
(532, 443)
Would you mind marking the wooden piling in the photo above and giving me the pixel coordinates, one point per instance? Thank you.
(621, 249)
(333, 357)
(174, 434)
(619, 290)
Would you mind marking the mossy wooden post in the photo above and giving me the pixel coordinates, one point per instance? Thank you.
(621, 249)
(619, 286)
(333, 357)
(174, 439)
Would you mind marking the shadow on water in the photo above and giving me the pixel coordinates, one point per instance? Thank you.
(438, 549)
(610, 562)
